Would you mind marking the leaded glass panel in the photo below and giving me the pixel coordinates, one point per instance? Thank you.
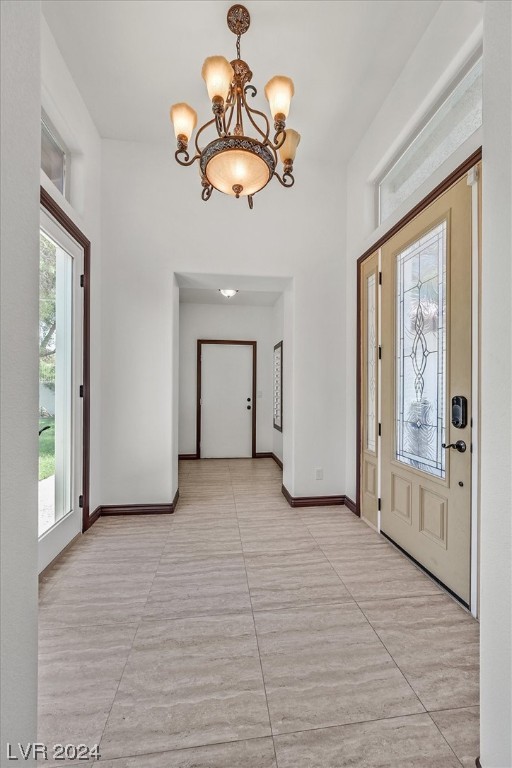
(371, 341)
(421, 352)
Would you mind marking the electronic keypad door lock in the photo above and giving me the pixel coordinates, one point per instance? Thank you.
(459, 411)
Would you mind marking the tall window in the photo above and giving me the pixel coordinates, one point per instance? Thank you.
(55, 377)
(455, 120)
(54, 155)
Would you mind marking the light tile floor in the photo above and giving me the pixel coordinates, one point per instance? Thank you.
(239, 633)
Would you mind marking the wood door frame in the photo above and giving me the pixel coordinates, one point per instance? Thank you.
(48, 203)
(448, 182)
(232, 342)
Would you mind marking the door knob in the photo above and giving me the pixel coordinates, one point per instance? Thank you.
(248, 407)
(459, 446)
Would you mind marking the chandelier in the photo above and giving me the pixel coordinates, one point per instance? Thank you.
(235, 162)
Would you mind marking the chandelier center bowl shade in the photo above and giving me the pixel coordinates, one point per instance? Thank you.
(243, 157)
(234, 161)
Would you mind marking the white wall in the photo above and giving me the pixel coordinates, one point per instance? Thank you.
(19, 280)
(210, 321)
(155, 224)
(66, 109)
(496, 398)
(278, 333)
(454, 33)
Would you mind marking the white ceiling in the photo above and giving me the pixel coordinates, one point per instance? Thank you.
(131, 59)
(211, 281)
(241, 299)
(259, 291)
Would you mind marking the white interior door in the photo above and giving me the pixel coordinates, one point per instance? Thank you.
(226, 401)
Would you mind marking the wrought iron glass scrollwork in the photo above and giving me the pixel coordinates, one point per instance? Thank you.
(278, 386)
(371, 362)
(421, 352)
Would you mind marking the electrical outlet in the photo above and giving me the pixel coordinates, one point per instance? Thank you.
(319, 473)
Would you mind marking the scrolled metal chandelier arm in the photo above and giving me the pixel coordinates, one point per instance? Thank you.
(200, 131)
(287, 179)
(231, 110)
(250, 112)
(279, 138)
(236, 162)
(182, 151)
(207, 192)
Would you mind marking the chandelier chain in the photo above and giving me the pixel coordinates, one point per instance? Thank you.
(238, 46)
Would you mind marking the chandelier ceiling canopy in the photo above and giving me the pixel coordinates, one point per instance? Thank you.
(235, 162)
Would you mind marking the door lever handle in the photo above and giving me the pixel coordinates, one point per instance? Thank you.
(459, 446)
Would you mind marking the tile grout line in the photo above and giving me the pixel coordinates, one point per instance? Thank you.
(263, 738)
(365, 618)
(352, 722)
(444, 738)
(182, 749)
(134, 636)
(137, 628)
(393, 658)
(439, 589)
(453, 709)
(117, 687)
(321, 603)
(382, 643)
(449, 709)
(336, 572)
(332, 566)
(436, 593)
(255, 630)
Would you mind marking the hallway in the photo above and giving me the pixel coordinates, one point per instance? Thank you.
(241, 633)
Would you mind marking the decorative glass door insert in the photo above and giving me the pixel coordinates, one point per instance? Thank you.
(421, 352)
(369, 372)
(371, 362)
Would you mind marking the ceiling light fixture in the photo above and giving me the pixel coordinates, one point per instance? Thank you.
(228, 292)
(234, 162)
